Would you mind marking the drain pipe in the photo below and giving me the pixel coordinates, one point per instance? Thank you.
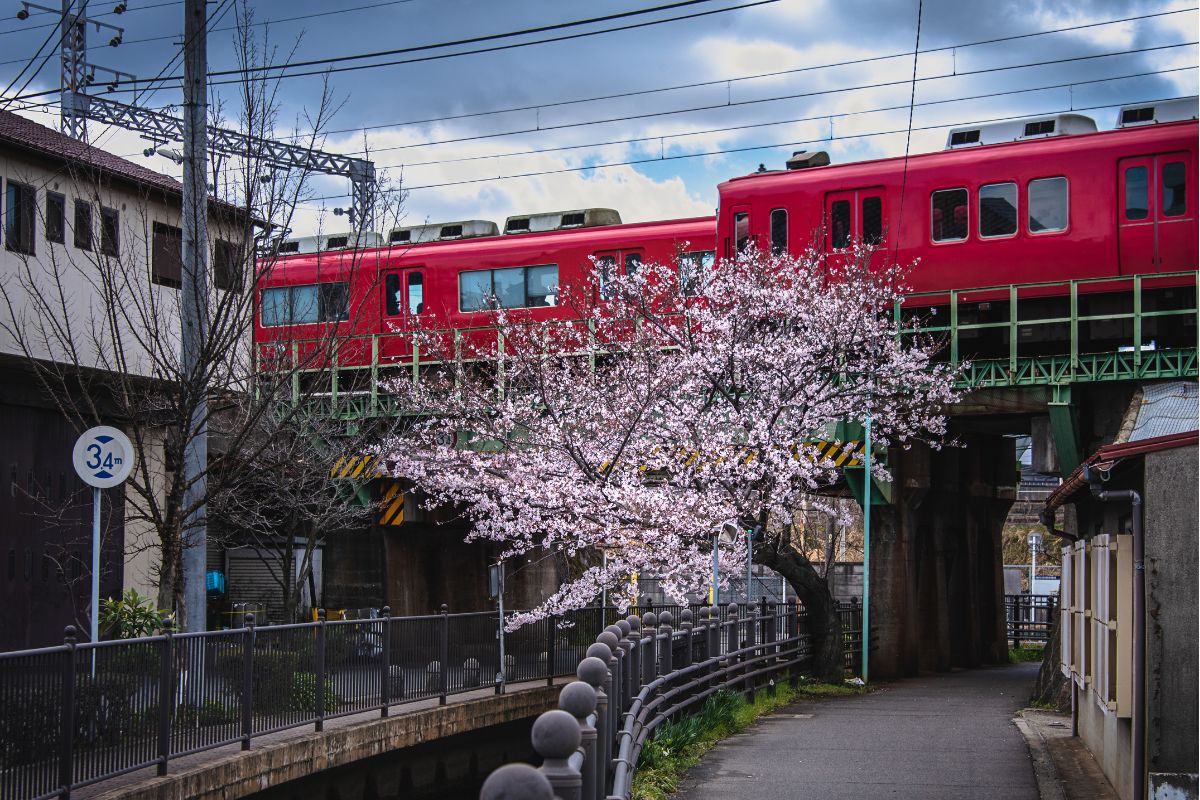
(1139, 625)
(1046, 517)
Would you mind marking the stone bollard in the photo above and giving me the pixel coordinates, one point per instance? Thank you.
(556, 737)
(510, 668)
(605, 727)
(622, 633)
(650, 653)
(579, 700)
(516, 782)
(635, 655)
(433, 676)
(665, 644)
(471, 672)
(592, 672)
(616, 692)
(686, 625)
(732, 628)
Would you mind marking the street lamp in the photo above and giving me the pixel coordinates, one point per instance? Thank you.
(1035, 541)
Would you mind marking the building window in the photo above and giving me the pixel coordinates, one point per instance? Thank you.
(110, 232)
(19, 213)
(839, 224)
(1048, 205)
(997, 209)
(779, 231)
(83, 225)
(1174, 180)
(516, 287)
(1137, 193)
(304, 305)
(56, 218)
(741, 230)
(872, 220)
(227, 266)
(166, 261)
(692, 268)
(949, 215)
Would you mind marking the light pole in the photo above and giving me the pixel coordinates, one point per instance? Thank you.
(1035, 541)
(866, 593)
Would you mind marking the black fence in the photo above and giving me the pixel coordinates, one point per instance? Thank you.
(1030, 618)
(641, 673)
(851, 616)
(79, 713)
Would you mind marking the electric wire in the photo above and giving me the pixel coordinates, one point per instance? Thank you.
(912, 98)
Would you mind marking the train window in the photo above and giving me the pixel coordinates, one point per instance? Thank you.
(515, 287)
(334, 301)
(391, 293)
(839, 223)
(997, 210)
(416, 293)
(633, 262)
(305, 305)
(274, 307)
(541, 284)
(949, 218)
(474, 290)
(1048, 205)
(1174, 199)
(741, 230)
(692, 268)
(779, 231)
(605, 266)
(1137, 193)
(872, 220)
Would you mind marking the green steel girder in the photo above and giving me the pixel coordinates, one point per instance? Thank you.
(1064, 427)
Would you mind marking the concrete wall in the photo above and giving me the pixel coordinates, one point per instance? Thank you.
(1171, 610)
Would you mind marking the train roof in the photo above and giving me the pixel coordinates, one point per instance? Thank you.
(956, 156)
(330, 265)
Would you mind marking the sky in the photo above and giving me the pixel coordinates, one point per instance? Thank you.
(705, 98)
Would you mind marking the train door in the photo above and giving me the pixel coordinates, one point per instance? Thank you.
(403, 310)
(1157, 215)
(855, 215)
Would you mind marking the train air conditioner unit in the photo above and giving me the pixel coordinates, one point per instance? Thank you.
(442, 231)
(329, 241)
(562, 220)
(1133, 116)
(802, 159)
(1018, 130)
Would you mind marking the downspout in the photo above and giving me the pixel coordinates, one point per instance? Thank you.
(1046, 517)
(1139, 626)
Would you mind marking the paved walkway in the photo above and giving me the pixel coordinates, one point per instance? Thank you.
(940, 737)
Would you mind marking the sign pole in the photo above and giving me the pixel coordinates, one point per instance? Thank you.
(866, 609)
(95, 572)
(716, 568)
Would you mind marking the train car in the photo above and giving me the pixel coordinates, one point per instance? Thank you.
(1043, 200)
(367, 303)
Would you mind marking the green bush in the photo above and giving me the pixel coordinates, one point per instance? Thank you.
(303, 695)
(129, 617)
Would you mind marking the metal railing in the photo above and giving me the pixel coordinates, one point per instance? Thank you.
(1030, 618)
(641, 673)
(80, 713)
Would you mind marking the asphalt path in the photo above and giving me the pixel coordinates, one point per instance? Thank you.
(938, 737)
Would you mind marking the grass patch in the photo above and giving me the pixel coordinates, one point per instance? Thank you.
(1026, 654)
(677, 746)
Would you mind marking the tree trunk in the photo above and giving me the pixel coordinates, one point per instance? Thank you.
(824, 623)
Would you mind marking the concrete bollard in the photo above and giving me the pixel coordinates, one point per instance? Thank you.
(592, 672)
(635, 656)
(556, 737)
(650, 652)
(613, 688)
(665, 643)
(516, 782)
(686, 625)
(579, 700)
(433, 676)
(471, 672)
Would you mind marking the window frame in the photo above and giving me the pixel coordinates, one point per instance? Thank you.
(61, 218)
(408, 293)
(110, 240)
(1162, 188)
(525, 268)
(1016, 209)
(1029, 206)
(82, 239)
(324, 290)
(778, 228)
(697, 259)
(227, 262)
(848, 202)
(158, 276)
(967, 205)
(20, 213)
(741, 242)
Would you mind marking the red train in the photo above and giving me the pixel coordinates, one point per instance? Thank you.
(1041, 200)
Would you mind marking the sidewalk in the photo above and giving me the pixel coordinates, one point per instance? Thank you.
(937, 737)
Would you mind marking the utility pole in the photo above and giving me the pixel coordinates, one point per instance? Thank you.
(195, 306)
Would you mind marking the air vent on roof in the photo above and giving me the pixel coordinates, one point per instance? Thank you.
(959, 138)
(443, 231)
(558, 220)
(289, 247)
(802, 159)
(1168, 111)
(336, 242)
(1016, 130)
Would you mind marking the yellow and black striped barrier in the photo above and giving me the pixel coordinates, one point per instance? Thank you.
(842, 454)
(391, 507)
(356, 468)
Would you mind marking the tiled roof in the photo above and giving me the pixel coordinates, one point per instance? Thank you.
(21, 133)
(1167, 408)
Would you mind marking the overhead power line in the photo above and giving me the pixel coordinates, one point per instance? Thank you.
(747, 149)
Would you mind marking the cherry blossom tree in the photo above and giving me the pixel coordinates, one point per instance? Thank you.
(679, 398)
